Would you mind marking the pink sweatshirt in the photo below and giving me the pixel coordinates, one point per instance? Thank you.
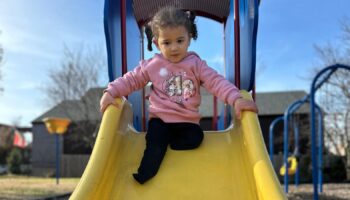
(175, 94)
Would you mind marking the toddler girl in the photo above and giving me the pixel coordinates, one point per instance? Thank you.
(176, 76)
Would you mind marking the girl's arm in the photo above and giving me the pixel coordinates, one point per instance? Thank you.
(225, 90)
(217, 84)
(123, 86)
(131, 81)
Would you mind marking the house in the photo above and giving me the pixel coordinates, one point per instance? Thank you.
(86, 111)
(13, 136)
(272, 105)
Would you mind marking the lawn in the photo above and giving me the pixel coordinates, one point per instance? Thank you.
(25, 187)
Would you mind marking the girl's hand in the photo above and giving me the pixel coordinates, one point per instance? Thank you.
(106, 100)
(244, 104)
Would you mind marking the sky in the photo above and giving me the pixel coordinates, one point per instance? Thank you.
(34, 33)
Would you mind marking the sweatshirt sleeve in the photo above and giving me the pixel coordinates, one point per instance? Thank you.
(131, 81)
(217, 84)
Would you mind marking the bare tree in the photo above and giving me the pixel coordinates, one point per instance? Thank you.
(78, 72)
(68, 85)
(334, 95)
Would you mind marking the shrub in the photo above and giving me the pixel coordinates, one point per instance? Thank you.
(4, 152)
(334, 169)
(14, 161)
(305, 172)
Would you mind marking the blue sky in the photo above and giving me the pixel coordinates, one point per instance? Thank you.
(33, 34)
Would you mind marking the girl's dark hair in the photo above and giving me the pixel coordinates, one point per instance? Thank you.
(170, 17)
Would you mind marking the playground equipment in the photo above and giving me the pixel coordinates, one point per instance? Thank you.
(291, 168)
(57, 126)
(319, 79)
(292, 108)
(230, 164)
(316, 137)
(124, 22)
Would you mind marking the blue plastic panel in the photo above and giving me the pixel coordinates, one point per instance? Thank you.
(248, 32)
(134, 48)
(248, 15)
(112, 24)
(229, 45)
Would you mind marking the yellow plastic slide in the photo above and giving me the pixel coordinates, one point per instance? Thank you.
(230, 164)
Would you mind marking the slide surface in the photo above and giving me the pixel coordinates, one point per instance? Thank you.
(230, 164)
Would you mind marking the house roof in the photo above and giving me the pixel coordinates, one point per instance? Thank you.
(269, 103)
(64, 109)
(76, 110)
(275, 103)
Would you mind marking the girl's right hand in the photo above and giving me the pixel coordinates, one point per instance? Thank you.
(244, 104)
(106, 100)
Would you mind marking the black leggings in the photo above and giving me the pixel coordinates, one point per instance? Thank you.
(180, 136)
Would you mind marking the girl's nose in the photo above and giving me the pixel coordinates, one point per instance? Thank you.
(174, 47)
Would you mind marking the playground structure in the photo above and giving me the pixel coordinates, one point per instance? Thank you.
(316, 132)
(230, 164)
(124, 22)
(57, 126)
(292, 160)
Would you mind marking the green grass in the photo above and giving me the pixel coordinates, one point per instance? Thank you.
(26, 187)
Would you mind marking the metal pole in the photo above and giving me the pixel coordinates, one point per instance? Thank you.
(285, 148)
(271, 136)
(237, 45)
(320, 148)
(296, 152)
(313, 140)
(287, 112)
(57, 159)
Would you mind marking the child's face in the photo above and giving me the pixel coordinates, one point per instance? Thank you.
(173, 42)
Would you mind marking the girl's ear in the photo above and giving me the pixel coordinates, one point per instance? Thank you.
(155, 42)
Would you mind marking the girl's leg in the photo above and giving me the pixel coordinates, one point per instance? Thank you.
(157, 139)
(185, 136)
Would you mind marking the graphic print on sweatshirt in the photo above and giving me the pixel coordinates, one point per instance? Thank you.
(177, 86)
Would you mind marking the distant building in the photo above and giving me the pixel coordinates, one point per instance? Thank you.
(11, 137)
(271, 105)
(7, 134)
(83, 111)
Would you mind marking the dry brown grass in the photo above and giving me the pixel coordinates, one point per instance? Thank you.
(24, 187)
(330, 192)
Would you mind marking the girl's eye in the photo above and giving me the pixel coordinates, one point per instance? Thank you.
(180, 41)
(166, 43)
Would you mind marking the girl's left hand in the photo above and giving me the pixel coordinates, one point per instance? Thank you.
(107, 100)
(244, 104)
